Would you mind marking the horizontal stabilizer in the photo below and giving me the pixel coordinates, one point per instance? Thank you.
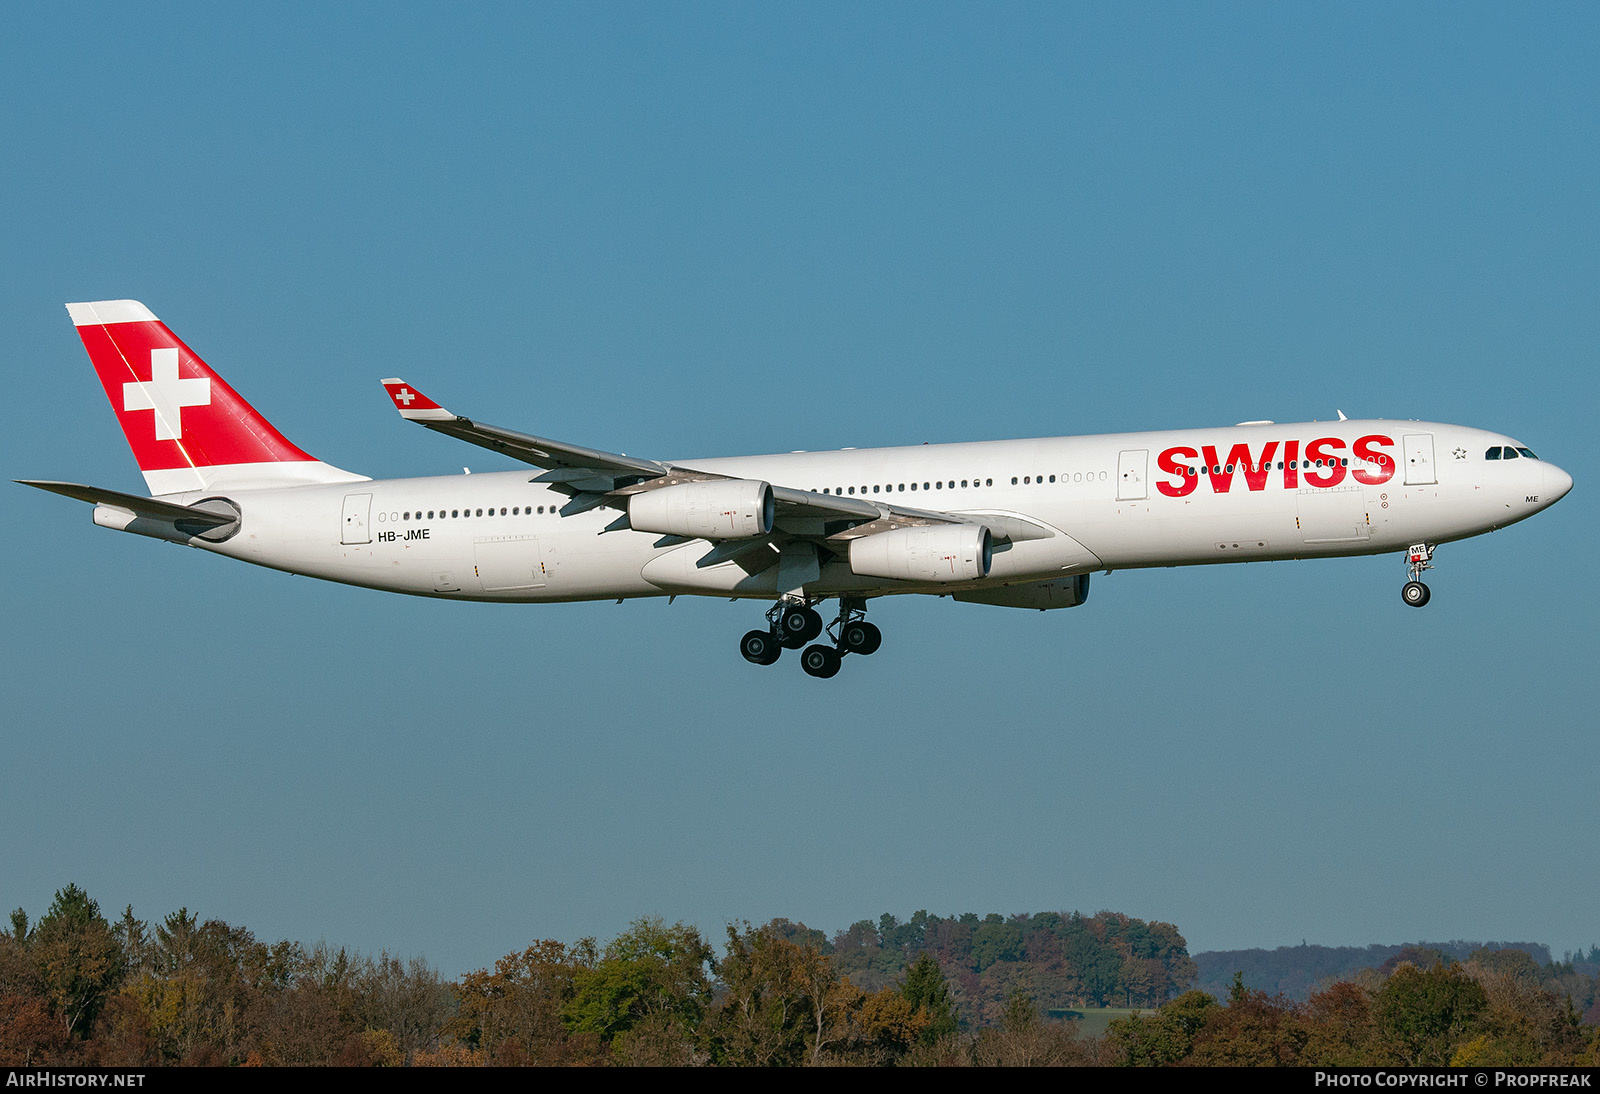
(150, 508)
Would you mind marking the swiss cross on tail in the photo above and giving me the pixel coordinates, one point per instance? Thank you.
(166, 394)
(187, 428)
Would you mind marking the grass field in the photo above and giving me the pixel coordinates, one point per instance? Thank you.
(1092, 1021)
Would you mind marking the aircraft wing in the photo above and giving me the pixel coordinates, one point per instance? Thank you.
(538, 451)
(593, 478)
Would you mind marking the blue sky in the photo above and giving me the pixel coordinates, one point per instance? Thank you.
(701, 229)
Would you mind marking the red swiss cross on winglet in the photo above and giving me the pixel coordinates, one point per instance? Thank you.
(411, 403)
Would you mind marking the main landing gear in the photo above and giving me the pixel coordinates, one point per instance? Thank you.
(793, 623)
(1418, 558)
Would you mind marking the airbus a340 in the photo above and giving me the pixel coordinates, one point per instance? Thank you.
(1018, 524)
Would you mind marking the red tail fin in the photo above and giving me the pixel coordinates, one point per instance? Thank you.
(188, 429)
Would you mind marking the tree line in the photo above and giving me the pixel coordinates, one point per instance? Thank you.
(1297, 971)
(76, 988)
(1419, 1009)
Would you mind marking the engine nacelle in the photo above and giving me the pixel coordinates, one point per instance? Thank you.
(1060, 592)
(723, 509)
(941, 552)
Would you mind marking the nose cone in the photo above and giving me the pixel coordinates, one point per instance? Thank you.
(1556, 484)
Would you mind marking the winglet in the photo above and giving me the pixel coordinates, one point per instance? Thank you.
(412, 404)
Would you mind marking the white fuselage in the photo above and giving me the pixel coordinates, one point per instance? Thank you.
(1104, 502)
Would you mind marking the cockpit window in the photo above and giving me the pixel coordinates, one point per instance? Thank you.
(1493, 453)
(1528, 453)
(1511, 453)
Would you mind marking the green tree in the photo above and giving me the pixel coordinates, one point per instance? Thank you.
(651, 971)
(1422, 1015)
(1165, 1037)
(926, 989)
(78, 958)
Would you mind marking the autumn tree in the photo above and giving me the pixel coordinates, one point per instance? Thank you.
(1253, 1030)
(200, 983)
(405, 999)
(1524, 1023)
(513, 1015)
(1340, 1029)
(1025, 1038)
(765, 1016)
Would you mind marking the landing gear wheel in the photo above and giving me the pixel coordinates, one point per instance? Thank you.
(1415, 593)
(860, 637)
(759, 648)
(820, 661)
(801, 623)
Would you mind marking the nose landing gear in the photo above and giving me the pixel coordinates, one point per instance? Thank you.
(1419, 557)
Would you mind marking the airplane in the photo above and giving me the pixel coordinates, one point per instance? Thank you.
(1018, 523)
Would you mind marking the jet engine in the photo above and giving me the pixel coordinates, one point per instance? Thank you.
(941, 552)
(722, 509)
